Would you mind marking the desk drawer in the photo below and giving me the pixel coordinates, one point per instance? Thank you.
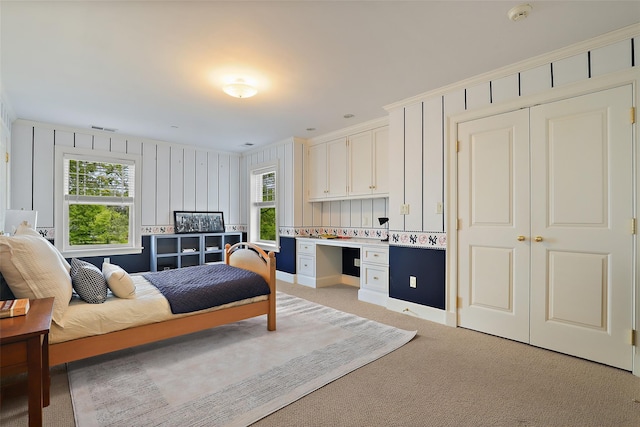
(375, 278)
(306, 265)
(377, 254)
(306, 248)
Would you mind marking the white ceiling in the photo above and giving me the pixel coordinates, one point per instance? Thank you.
(154, 69)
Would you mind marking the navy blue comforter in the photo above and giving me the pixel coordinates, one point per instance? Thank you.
(197, 288)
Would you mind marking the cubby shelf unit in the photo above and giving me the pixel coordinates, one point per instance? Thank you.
(169, 251)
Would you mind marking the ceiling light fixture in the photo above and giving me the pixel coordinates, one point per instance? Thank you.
(240, 89)
(519, 12)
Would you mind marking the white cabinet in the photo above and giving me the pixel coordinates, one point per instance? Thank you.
(306, 263)
(318, 265)
(327, 178)
(374, 274)
(369, 162)
(350, 168)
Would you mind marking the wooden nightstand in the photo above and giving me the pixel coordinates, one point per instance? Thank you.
(24, 346)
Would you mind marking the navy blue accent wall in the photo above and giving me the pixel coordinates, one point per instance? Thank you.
(427, 265)
(348, 257)
(136, 263)
(286, 258)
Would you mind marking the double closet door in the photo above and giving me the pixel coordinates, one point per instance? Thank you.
(545, 241)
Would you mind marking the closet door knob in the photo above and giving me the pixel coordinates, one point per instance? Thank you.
(538, 239)
(521, 238)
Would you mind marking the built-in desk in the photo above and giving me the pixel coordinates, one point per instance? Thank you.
(319, 263)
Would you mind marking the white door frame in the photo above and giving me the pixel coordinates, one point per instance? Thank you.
(612, 80)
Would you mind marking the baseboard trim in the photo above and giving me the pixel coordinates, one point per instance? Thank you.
(285, 277)
(417, 310)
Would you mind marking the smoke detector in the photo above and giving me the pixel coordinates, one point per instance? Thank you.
(519, 12)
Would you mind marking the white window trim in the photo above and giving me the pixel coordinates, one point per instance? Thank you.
(61, 214)
(252, 234)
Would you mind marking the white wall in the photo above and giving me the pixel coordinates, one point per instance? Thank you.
(6, 118)
(174, 177)
(419, 134)
(360, 213)
(289, 155)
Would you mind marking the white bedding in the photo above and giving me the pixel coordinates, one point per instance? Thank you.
(148, 306)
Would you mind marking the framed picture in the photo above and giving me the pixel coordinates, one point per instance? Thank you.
(198, 222)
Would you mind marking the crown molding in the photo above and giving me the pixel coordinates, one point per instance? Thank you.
(344, 132)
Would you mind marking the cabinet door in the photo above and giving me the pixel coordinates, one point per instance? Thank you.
(337, 170)
(317, 177)
(360, 164)
(380, 149)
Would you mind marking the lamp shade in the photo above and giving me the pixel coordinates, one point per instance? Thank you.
(240, 89)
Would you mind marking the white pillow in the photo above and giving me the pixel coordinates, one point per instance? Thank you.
(24, 229)
(118, 281)
(33, 268)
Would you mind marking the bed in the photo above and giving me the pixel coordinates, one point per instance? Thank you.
(68, 342)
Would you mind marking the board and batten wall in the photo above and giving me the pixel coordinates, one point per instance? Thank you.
(6, 119)
(288, 154)
(419, 143)
(174, 177)
(294, 211)
(418, 126)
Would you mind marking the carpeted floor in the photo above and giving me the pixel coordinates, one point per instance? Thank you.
(443, 377)
(232, 375)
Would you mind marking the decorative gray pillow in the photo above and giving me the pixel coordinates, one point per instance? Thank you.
(88, 282)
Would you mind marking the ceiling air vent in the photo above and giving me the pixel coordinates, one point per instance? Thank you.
(104, 129)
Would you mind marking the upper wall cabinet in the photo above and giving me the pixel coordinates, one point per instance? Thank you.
(350, 168)
(369, 163)
(327, 178)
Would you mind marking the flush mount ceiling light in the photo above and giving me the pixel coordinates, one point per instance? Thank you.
(240, 89)
(519, 12)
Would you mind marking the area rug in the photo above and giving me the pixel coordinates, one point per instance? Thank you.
(232, 375)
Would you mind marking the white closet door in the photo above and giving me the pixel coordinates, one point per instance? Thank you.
(582, 206)
(493, 209)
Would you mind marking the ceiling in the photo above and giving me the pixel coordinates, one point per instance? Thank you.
(155, 69)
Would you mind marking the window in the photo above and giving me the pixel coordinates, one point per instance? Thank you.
(97, 210)
(263, 229)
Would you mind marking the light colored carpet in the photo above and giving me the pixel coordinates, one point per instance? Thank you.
(232, 375)
(444, 377)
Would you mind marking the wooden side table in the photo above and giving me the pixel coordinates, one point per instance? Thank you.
(24, 346)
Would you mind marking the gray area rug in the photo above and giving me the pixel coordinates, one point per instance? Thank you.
(232, 375)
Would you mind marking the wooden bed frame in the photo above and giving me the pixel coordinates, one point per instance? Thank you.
(243, 255)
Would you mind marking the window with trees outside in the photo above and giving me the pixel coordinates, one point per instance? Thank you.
(97, 209)
(263, 212)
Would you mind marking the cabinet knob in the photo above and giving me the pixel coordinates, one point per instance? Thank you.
(375, 277)
(521, 238)
(538, 239)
